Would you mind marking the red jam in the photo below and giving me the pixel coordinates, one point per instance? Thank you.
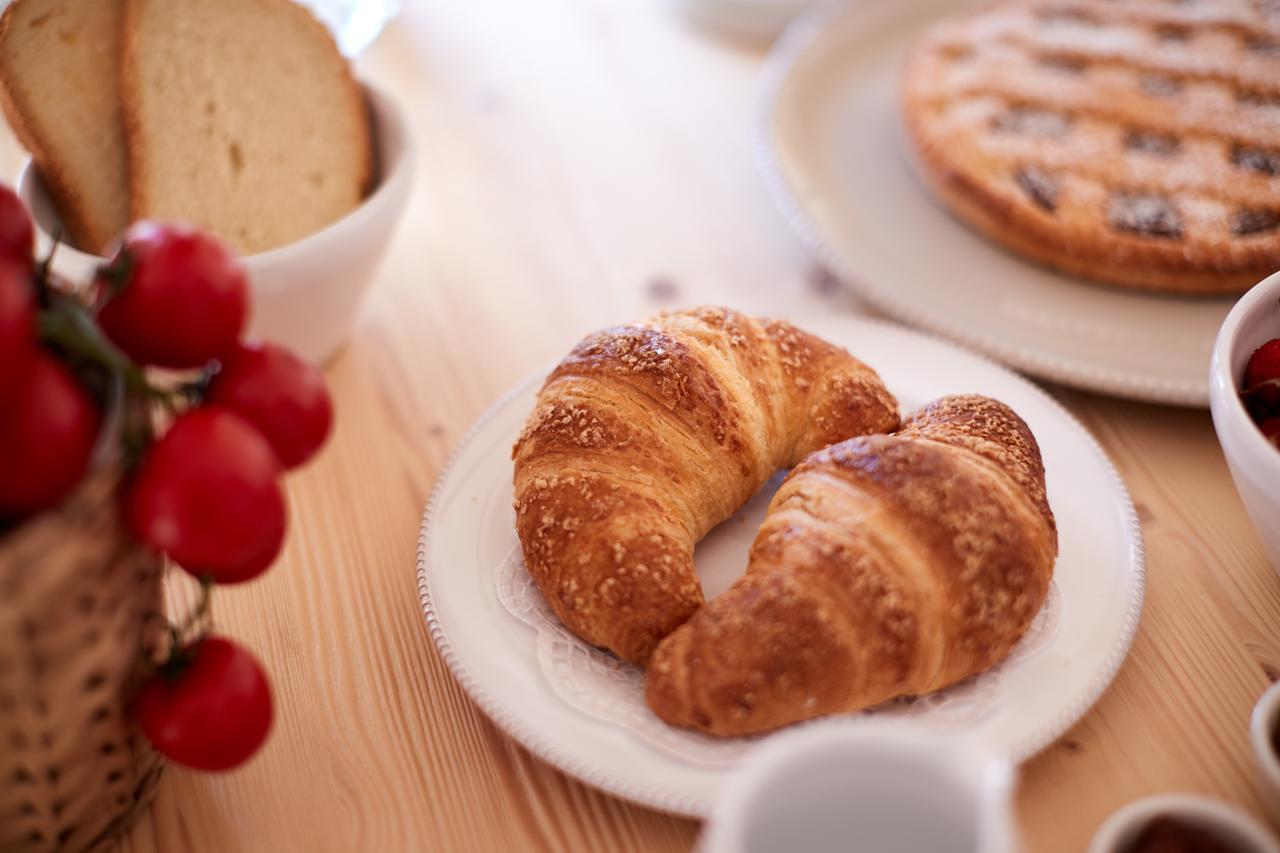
(1171, 835)
(1261, 394)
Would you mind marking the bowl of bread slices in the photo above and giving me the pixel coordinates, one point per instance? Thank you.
(241, 118)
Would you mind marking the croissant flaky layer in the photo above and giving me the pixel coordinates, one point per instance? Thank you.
(886, 566)
(646, 436)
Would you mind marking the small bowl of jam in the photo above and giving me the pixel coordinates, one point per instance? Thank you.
(1264, 736)
(1182, 823)
(1242, 397)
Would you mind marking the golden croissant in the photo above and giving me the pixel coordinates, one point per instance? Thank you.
(646, 436)
(886, 566)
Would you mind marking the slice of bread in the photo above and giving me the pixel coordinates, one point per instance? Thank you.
(58, 87)
(240, 116)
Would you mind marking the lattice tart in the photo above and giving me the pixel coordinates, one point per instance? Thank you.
(1135, 142)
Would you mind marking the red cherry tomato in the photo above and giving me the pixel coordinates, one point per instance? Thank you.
(17, 329)
(214, 713)
(284, 397)
(183, 300)
(47, 432)
(17, 234)
(1264, 364)
(207, 494)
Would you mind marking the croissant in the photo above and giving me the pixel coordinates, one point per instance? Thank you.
(646, 436)
(886, 566)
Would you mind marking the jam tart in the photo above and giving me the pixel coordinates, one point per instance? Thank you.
(1134, 142)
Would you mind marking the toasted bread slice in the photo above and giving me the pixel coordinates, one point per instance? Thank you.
(241, 117)
(59, 89)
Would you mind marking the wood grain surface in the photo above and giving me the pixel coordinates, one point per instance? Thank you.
(583, 162)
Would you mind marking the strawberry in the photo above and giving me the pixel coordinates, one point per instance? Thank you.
(1264, 364)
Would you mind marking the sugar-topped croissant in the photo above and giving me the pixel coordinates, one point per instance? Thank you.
(647, 436)
(886, 566)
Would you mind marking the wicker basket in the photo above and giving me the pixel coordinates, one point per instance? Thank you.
(78, 603)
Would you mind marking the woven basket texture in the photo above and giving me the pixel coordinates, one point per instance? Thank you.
(79, 603)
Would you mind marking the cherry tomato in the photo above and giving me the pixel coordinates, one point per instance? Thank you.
(17, 234)
(17, 329)
(284, 397)
(47, 434)
(214, 712)
(207, 494)
(174, 297)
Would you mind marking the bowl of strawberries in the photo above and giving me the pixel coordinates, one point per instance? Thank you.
(1244, 397)
(140, 429)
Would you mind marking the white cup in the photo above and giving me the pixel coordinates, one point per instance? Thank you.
(861, 785)
(1237, 830)
(754, 20)
(1265, 721)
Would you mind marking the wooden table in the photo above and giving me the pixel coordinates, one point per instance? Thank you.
(585, 162)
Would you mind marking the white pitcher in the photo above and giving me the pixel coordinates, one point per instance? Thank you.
(864, 786)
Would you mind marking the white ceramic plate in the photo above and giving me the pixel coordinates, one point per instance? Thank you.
(831, 145)
(468, 534)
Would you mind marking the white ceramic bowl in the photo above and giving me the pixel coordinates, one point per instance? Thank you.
(1266, 720)
(1243, 832)
(306, 295)
(1254, 463)
(865, 785)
